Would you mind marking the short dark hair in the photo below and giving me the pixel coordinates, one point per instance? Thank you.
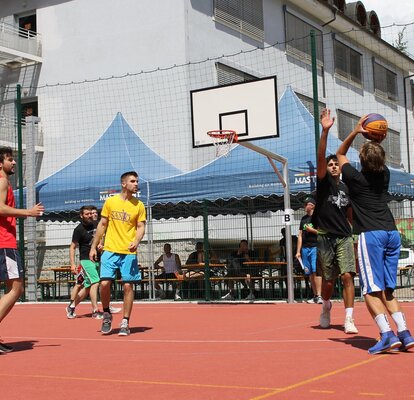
(84, 208)
(199, 245)
(5, 151)
(331, 157)
(243, 241)
(126, 174)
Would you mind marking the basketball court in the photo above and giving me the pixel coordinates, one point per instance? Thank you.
(199, 351)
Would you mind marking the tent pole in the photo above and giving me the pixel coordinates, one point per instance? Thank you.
(150, 236)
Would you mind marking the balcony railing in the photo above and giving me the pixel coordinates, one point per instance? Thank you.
(19, 42)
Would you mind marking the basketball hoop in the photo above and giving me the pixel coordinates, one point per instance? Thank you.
(222, 140)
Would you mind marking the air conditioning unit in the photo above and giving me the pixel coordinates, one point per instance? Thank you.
(373, 23)
(356, 11)
(338, 4)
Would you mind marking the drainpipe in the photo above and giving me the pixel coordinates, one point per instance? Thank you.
(406, 121)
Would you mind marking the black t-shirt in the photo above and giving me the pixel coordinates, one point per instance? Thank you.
(242, 257)
(332, 202)
(309, 239)
(83, 235)
(369, 192)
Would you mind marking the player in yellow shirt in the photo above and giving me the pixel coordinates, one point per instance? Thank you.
(123, 223)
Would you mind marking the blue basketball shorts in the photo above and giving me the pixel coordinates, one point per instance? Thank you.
(378, 253)
(127, 264)
(10, 265)
(309, 259)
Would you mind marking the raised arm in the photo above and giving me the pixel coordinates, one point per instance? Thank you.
(346, 144)
(326, 122)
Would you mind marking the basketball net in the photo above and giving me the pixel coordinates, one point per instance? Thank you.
(222, 140)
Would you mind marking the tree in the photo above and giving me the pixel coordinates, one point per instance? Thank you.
(400, 43)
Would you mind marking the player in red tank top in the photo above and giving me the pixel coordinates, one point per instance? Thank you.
(11, 270)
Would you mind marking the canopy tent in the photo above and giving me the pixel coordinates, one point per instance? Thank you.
(244, 182)
(95, 175)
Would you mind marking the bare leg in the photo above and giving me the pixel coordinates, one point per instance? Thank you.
(348, 290)
(327, 289)
(93, 294)
(128, 299)
(14, 291)
(105, 293)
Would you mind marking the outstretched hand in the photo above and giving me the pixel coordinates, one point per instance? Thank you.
(37, 210)
(326, 120)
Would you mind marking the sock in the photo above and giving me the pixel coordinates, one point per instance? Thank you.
(349, 311)
(126, 319)
(72, 304)
(382, 322)
(107, 309)
(327, 304)
(399, 319)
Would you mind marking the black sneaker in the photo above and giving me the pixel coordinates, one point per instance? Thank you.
(106, 323)
(4, 348)
(70, 312)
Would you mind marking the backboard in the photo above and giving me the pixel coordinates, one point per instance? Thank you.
(249, 108)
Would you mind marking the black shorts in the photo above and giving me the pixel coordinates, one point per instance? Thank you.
(10, 265)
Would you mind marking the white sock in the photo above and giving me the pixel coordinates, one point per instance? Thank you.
(399, 319)
(382, 322)
(327, 304)
(349, 312)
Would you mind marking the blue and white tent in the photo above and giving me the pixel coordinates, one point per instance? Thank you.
(95, 175)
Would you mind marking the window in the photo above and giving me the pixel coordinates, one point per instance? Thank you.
(308, 103)
(28, 25)
(391, 144)
(347, 62)
(245, 16)
(227, 75)
(298, 39)
(385, 82)
(29, 109)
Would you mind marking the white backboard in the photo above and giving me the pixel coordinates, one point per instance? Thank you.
(249, 108)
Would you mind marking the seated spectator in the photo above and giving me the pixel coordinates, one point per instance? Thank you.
(171, 264)
(197, 257)
(235, 268)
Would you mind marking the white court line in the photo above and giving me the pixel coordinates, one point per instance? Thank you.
(171, 341)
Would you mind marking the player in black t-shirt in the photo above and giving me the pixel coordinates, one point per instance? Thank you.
(82, 236)
(307, 249)
(379, 241)
(331, 218)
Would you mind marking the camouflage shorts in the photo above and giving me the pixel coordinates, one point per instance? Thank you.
(335, 256)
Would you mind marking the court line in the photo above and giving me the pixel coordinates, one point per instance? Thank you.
(101, 338)
(318, 378)
(77, 378)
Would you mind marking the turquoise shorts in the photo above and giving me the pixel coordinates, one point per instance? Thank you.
(127, 264)
(90, 270)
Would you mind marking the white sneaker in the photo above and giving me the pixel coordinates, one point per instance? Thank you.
(250, 296)
(349, 325)
(228, 296)
(177, 297)
(325, 317)
(124, 328)
(114, 310)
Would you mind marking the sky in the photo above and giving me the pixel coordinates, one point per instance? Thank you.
(396, 12)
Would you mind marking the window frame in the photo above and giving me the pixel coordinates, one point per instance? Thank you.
(305, 53)
(347, 73)
(244, 16)
(387, 92)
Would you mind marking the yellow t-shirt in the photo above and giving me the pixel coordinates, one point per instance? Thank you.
(123, 216)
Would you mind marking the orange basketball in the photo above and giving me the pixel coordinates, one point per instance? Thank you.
(377, 127)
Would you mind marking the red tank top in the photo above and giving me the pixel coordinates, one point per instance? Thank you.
(8, 224)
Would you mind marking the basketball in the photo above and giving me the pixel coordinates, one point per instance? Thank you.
(377, 127)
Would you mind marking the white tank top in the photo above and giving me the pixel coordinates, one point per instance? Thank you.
(170, 266)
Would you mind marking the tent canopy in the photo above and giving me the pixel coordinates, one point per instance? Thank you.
(245, 182)
(95, 175)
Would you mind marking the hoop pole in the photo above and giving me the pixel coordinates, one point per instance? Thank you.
(286, 202)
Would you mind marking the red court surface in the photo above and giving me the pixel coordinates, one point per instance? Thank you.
(199, 351)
